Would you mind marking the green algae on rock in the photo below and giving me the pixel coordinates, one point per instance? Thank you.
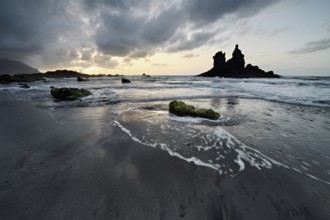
(182, 109)
(68, 94)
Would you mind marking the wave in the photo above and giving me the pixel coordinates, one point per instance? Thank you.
(196, 141)
(106, 91)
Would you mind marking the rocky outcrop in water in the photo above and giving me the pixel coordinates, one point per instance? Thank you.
(235, 67)
(82, 79)
(68, 94)
(5, 78)
(124, 80)
(24, 86)
(182, 109)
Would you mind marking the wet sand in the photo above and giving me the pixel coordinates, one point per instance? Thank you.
(80, 165)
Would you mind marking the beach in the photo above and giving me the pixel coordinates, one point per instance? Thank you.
(79, 165)
(134, 160)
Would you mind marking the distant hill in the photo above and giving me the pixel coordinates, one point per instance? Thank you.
(12, 67)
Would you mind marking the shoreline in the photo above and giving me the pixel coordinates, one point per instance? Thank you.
(79, 165)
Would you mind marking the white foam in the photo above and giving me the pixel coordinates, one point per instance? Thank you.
(166, 148)
(244, 153)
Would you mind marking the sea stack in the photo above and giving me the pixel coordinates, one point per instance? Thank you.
(235, 67)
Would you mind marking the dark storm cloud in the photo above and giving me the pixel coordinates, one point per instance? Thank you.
(27, 27)
(195, 40)
(105, 61)
(313, 46)
(179, 27)
(64, 31)
(204, 12)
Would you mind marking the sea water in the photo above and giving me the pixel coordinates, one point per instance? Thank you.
(253, 113)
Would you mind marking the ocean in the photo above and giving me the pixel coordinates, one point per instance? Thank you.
(264, 122)
(307, 91)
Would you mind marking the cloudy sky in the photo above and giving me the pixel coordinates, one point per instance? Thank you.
(166, 37)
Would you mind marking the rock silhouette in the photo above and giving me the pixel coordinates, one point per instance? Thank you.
(124, 80)
(235, 67)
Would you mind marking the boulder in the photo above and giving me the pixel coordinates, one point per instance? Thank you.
(124, 80)
(81, 79)
(182, 109)
(24, 85)
(68, 94)
(145, 75)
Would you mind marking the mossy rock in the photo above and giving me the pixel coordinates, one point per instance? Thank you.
(182, 109)
(68, 94)
(208, 113)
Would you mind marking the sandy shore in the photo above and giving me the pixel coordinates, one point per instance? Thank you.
(80, 165)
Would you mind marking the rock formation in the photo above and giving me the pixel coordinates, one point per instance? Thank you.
(124, 80)
(68, 94)
(180, 108)
(235, 67)
(82, 79)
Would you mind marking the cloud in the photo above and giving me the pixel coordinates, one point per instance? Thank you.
(71, 32)
(313, 46)
(189, 55)
(159, 64)
(42, 32)
(328, 27)
(104, 61)
(272, 32)
(205, 12)
(190, 42)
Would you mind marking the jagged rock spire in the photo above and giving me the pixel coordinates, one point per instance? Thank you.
(235, 67)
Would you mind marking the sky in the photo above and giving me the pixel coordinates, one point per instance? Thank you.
(173, 37)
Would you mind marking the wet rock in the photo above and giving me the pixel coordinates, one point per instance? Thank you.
(81, 79)
(207, 113)
(124, 80)
(145, 75)
(24, 85)
(182, 109)
(68, 94)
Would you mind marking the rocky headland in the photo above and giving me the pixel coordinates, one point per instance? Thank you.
(31, 77)
(235, 67)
